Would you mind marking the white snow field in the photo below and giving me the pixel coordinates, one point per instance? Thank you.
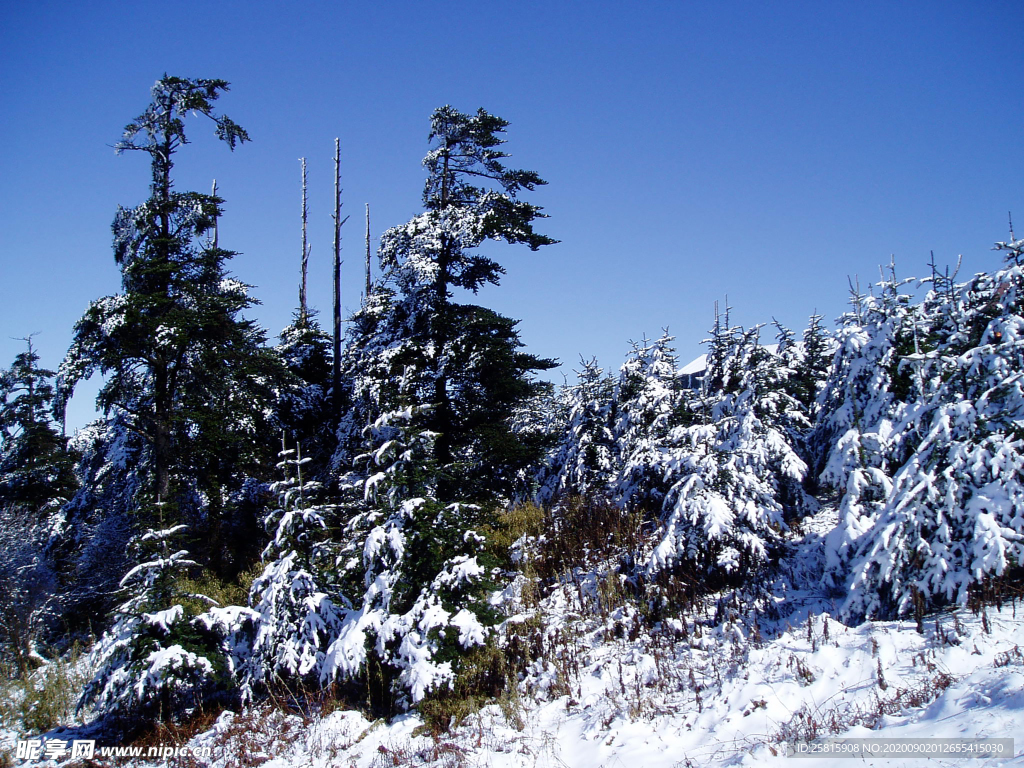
(630, 708)
(692, 692)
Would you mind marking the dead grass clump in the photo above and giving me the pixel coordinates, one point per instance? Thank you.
(43, 698)
(485, 674)
(1006, 658)
(256, 736)
(580, 531)
(809, 724)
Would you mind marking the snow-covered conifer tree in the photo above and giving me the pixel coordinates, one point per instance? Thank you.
(36, 479)
(154, 662)
(953, 520)
(184, 371)
(293, 620)
(90, 542)
(540, 423)
(303, 406)
(734, 477)
(861, 402)
(428, 449)
(648, 405)
(584, 461)
(805, 365)
(36, 470)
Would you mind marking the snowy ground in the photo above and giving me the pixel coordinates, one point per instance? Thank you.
(786, 689)
(605, 692)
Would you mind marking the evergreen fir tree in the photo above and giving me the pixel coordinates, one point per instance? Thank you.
(304, 405)
(293, 618)
(154, 662)
(810, 364)
(428, 446)
(183, 370)
(36, 480)
(734, 478)
(464, 357)
(539, 423)
(36, 470)
(953, 519)
(584, 462)
(863, 399)
(648, 405)
(91, 545)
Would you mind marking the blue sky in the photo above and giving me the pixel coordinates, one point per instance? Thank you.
(763, 151)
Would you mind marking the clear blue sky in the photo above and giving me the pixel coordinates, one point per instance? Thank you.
(693, 150)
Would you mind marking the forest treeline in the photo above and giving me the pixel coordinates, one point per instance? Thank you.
(248, 517)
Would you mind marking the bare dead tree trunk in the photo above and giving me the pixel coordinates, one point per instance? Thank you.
(216, 220)
(303, 312)
(367, 250)
(338, 221)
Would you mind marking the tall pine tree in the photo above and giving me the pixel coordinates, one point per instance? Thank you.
(429, 445)
(184, 371)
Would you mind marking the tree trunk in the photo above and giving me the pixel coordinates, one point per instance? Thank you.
(367, 250)
(161, 434)
(442, 421)
(305, 252)
(163, 394)
(336, 362)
